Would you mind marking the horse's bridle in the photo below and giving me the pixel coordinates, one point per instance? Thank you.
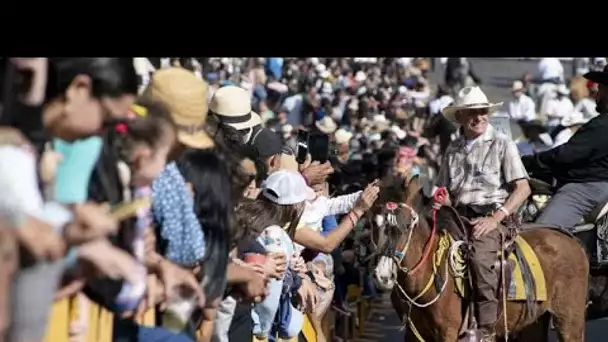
(391, 218)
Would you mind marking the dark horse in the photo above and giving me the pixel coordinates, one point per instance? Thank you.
(562, 259)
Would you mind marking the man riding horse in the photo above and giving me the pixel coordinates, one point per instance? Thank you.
(486, 181)
(580, 165)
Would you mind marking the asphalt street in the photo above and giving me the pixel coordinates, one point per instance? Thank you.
(497, 76)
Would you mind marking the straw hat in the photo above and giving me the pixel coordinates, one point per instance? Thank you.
(185, 95)
(469, 98)
(326, 125)
(232, 105)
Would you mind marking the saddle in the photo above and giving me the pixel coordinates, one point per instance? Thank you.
(523, 277)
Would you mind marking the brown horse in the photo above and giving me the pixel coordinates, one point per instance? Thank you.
(562, 258)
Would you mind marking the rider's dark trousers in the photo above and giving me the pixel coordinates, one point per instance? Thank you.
(486, 278)
(572, 202)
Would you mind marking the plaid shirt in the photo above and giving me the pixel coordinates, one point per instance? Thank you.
(477, 173)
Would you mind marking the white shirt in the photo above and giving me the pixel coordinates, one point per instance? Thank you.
(557, 109)
(549, 68)
(522, 108)
(587, 107)
(20, 193)
(18, 184)
(562, 137)
(316, 210)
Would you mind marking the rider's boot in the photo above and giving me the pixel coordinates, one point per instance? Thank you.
(487, 334)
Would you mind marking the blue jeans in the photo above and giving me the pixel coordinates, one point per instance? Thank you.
(265, 313)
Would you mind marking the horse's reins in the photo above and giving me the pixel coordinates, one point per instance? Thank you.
(399, 256)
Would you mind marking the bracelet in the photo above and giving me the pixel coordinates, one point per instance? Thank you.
(504, 210)
(351, 220)
(354, 213)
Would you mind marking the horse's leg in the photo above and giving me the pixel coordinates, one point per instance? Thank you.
(535, 332)
(571, 327)
(566, 268)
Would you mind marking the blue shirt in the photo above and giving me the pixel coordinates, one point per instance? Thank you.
(329, 224)
(274, 65)
(173, 208)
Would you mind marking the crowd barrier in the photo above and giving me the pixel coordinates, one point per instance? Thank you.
(69, 315)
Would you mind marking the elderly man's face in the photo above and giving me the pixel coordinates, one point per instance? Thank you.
(473, 121)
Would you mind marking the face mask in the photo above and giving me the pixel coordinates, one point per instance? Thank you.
(75, 169)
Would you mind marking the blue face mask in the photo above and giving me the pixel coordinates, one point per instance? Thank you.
(75, 169)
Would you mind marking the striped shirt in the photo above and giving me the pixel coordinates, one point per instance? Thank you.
(477, 172)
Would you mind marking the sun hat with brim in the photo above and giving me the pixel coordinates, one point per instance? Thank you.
(469, 98)
(286, 188)
(185, 95)
(326, 125)
(600, 77)
(575, 118)
(232, 105)
(342, 136)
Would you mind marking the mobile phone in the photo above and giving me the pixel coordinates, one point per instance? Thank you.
(318, 145)
(302, 146)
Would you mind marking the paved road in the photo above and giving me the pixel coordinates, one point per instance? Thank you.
(497, 76)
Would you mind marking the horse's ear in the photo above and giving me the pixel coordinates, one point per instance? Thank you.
(413, 186)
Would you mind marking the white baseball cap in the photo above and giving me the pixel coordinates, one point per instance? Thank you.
(286, 188)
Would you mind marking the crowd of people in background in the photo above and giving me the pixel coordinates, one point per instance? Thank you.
(149, 199)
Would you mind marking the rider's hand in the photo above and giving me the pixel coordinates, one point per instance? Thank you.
(368, 197)
(483, 226)
(439, 201)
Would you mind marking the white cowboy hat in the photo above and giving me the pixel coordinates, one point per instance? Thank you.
(326, 125)
(469, 98)
(380, 123)
(232, 105)
(562, 89)
(343, 136)
(575, 118)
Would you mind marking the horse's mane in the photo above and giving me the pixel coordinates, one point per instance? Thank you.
(394, 188)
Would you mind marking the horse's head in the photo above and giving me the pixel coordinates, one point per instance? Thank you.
(393, 218)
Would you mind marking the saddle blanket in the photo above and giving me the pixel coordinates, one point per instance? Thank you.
(527, 276)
